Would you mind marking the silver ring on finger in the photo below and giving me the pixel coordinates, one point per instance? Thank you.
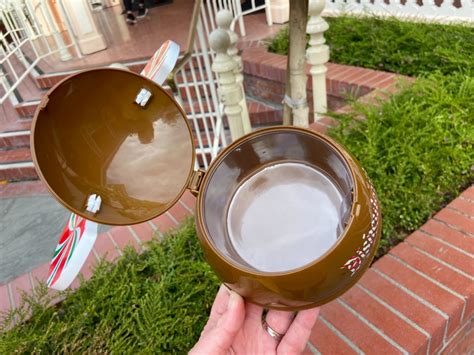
(272, 332)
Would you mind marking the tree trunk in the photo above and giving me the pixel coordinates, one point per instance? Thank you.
(296, 65)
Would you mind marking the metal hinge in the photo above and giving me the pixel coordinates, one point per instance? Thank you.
(195, 183)
(43, 103)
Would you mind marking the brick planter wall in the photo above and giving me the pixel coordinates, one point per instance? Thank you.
(265, 80)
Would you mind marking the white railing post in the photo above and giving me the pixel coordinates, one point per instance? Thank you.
(230, 93)
(268, 12)
(6, 87)
(317, 55)
(224, 19)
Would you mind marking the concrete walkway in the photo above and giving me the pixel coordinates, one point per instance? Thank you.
(30, 228)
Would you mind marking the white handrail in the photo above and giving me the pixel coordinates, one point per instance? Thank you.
(22, 34)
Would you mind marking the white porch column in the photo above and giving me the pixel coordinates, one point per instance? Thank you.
(224, 19)
(53, 26)
(230, 93)
(88, 37)
(317, 56)
(280, 10)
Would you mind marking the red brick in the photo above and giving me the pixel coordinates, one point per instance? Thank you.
(344, 72)
(163, 223)
(328, 342)
(39, 82)
(19, 111)
(18, 286)
(75, 284)
(332, 88)
(355, 330)
(349, 74)
(123, 238)
(469, 193)
(179, 212)
(464, 206)
(443, 252)
(15, 155)
(328, 121)
(361, 77)
(388, 322)
(89, 265)
(449, 235)
(143, 231)
(105, 248)
(446, 302)
(454, 281)
(40, 274)
(380, 78)
(449, 216)
(8, 174)
(28, 173)
(5, 305)
(307, 351)
(318, 127)
(333, 69)
(387, 83)
(462, 342)
(407, 305)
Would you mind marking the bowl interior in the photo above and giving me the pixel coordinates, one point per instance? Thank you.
(277, 201)
(95, 136)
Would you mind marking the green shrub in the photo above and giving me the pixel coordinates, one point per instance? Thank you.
(395, 46)
(156, 302)
(417, 147)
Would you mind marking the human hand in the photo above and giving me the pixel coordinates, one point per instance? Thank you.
(235, 327)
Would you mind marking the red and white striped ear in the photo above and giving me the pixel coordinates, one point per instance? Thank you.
(162, 62)
(80, 234)
(73, 248)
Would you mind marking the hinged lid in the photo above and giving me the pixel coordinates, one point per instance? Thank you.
(117, 135)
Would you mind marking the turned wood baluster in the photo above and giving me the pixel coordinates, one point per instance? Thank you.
(317, 55)
(230, 93)
(224, 20)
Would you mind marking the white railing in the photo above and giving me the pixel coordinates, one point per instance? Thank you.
(24, 41)
(195, 86)
(443, 11)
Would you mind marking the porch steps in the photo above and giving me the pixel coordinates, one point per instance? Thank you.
(15, 139)
(16, 165)
(15, 155)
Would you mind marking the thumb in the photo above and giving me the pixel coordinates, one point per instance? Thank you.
(219, 339)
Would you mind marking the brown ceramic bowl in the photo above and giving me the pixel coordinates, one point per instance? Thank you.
(290, 266)
(286, 217)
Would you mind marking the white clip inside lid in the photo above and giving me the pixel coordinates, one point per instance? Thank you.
(93, 203)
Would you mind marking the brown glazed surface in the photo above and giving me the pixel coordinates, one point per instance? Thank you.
(328, 276)
(90, 137)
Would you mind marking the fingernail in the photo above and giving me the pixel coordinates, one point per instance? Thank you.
(233, 299)
(224, 288)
